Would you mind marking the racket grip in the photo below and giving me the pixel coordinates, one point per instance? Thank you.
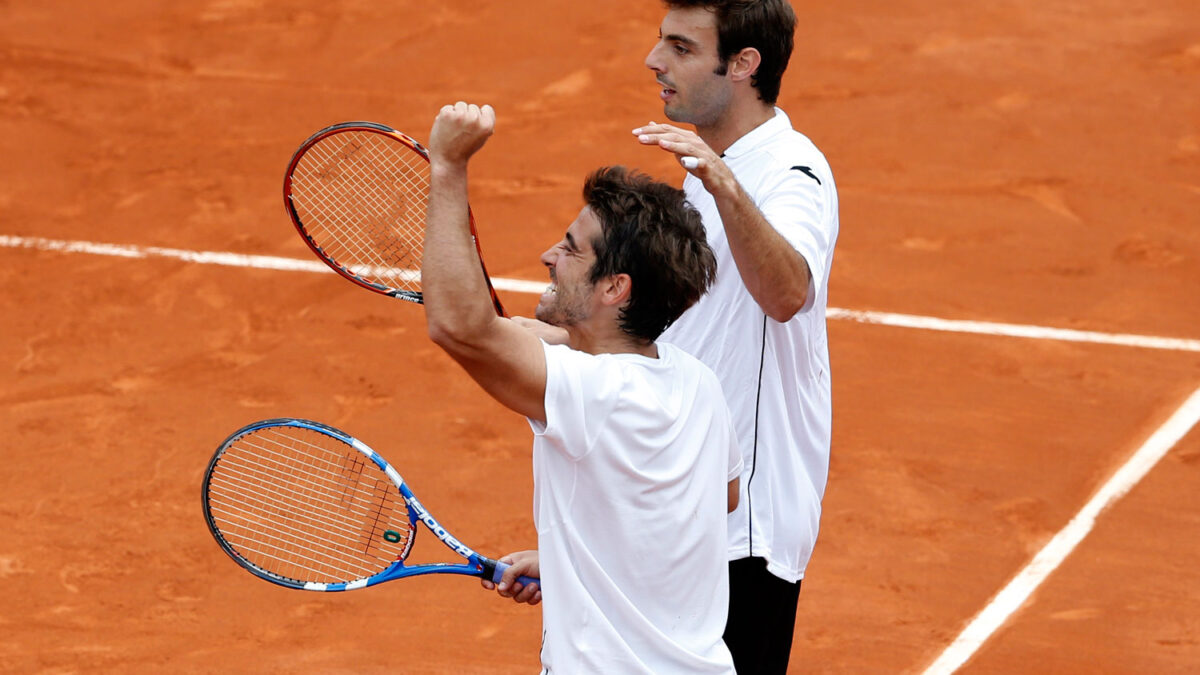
(524, 580)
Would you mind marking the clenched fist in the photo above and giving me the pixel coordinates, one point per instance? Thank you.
(459, 131)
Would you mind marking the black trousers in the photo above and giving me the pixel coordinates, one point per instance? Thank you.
(762, 618)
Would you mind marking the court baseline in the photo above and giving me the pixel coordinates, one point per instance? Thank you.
(1013, 595)
(524, 286)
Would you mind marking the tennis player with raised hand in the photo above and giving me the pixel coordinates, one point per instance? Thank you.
(635, 463)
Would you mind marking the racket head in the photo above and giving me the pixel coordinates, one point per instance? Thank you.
(306, 506)
(358, 193)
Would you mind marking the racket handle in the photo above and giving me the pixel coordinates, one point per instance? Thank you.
(501, 566)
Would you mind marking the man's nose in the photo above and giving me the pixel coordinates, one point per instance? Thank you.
(652, 60)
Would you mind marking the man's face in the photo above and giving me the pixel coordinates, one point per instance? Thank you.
(684, 61)
(568, 300)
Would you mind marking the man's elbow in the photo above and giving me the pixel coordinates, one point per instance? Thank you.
(786, 299)
(461, 336)
(783, 308)
(437, 332)
(787, 294)
(451, 337)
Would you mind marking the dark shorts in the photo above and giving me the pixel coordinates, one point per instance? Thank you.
(762, 618)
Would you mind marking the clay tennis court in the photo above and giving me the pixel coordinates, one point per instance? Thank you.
(1024, 162)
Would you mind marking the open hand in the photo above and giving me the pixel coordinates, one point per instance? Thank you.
(687, 146)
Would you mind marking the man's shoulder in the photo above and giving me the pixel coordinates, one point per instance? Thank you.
(566, 360)
(781, 133)
(609, 365)
(785, 153)
(683, 361)
(789, 148)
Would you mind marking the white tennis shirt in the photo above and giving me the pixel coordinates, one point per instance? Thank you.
(630, 499)
(775, 375)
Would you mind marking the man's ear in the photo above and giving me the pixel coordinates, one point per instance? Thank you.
(744, 64)
(615, 289)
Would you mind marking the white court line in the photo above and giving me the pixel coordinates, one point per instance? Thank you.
(1015, 330)
(537, 287)
(264, 262)
(1014, 595)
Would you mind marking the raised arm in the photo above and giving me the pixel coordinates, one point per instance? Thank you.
(506, 360)
(775, 274)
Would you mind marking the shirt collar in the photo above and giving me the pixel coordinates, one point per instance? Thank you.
(759, 134)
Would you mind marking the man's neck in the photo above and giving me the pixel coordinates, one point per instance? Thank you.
(607, 342)
(737, 121)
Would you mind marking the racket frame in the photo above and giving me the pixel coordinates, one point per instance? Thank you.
(419, 149)
(476, 565)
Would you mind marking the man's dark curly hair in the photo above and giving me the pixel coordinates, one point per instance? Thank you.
(766, 25)
(650, 232)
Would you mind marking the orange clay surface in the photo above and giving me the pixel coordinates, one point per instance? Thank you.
(1023, 161)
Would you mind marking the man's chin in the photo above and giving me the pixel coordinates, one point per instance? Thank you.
(552, 318)
(675, 114)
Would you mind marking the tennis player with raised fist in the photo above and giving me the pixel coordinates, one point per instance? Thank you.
(635, 462)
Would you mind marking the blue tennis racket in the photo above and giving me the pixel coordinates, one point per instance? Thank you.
(307, 506)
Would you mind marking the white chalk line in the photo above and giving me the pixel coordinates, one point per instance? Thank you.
(1015, 330)
(263, 262)
(1005, 603)
(537, 287)
(1014, 595)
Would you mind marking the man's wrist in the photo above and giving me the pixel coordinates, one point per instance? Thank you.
(441, 166)
(724, 186)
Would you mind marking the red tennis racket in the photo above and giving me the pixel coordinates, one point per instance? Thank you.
(357, 193)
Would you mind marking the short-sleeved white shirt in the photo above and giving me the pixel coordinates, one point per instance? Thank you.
(775, 375)
(630, 473)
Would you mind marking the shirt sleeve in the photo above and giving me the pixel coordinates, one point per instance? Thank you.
(579, 400)
(721, 428)
(736, 465)
(797, 204)
(734, 459)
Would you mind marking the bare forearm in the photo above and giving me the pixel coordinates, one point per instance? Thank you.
(774, 273)
(507, 361)
(457, 304)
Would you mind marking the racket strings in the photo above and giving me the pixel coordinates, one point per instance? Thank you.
(307, 508)
(362, 198)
